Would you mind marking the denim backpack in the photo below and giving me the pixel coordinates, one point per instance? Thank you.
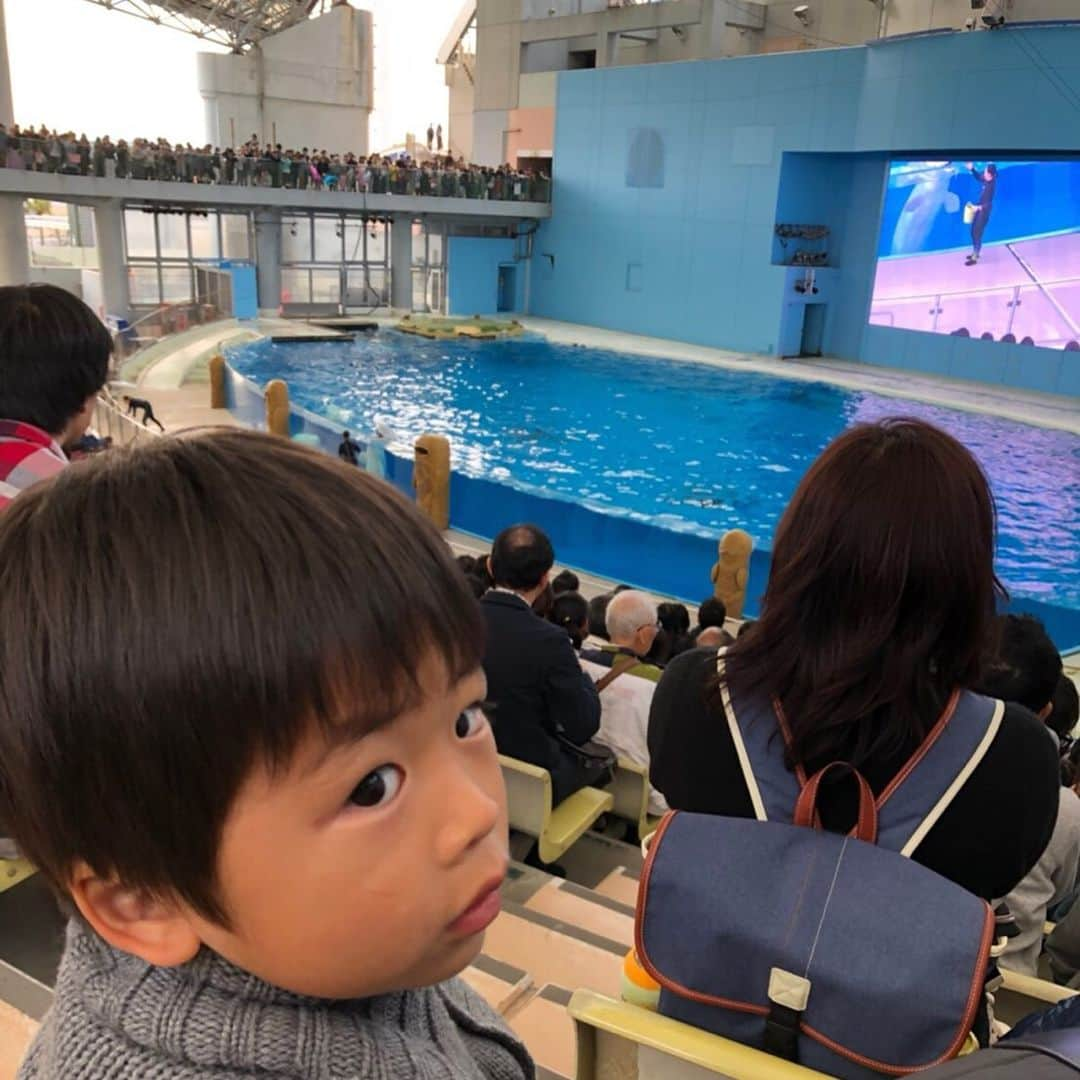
(839, 952)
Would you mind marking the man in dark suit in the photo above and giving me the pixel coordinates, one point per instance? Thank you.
(533, 674)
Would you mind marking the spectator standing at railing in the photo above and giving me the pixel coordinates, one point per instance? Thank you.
(438, 139)
(430, 137)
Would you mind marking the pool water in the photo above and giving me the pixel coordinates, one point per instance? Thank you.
(684, 446)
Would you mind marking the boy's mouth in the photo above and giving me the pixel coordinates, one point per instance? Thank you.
(483, 910)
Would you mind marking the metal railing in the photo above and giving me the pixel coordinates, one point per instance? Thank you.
(439, 179)
(1012, 297)
(110, 422)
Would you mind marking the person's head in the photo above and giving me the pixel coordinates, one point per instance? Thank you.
(1023, 664)
(215, 668)
(565, 581)
(543, 600)
(711, 612)
(570, 610)
(54, 358)
(881, 594)
(598, 606)
(990, 172)
(632, 621)
(1065, 714)
(713, 637)
(345, 436)
(467, 563)
(521, 559)
(674, 618)
(745, 627)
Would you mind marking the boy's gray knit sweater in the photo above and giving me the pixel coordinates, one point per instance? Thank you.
(118, 1018)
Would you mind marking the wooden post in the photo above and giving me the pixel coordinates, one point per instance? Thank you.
(731, 574)
(277, 408)
(218, 399)
(431, 478)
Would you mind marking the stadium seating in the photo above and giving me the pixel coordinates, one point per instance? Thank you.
(615, 1039)
(529, 799)
(630, 790)
(1021, 995)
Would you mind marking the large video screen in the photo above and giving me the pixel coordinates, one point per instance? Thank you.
(985, 249)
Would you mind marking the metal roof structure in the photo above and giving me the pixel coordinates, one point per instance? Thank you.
(233, 23)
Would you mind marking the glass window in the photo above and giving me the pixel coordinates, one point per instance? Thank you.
(139, 229)
(419, 244)
(328, 239)
(377, 241)
(325, 286)
(204, 236)
(235, 236)
(295, 286)
(296, 239)
(176, 287)
(354, 240)
(172, 236)
(143, 283)
(435, 243)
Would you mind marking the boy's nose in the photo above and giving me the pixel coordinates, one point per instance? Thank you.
(470, 813)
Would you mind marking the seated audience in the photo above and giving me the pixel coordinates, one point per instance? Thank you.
(712, 614)
(624, 719)
(1064, 712)
(878, 612)
(674, 636)
(54, 358)
(545, 704)
(1024, 665)
(570, 610)
(1024, 668)
(565, 581)
(301, 700)
(598, 606)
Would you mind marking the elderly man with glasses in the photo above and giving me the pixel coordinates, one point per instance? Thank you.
(632, 625)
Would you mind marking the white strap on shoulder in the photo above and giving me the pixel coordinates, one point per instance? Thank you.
(737, 739)
(953, 789)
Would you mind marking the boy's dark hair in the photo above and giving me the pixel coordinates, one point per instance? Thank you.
(467, 563)
(745, 627)
(1025, 665)
(520, 557)
(54, 354)
(565, 581)
(1066, 712)
(222, 596)
(598, 606)
(711, 612)
(674, 618)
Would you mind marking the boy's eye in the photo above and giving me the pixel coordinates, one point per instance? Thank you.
(378, 787)
(472, 721)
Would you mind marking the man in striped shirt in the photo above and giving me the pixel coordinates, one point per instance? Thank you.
(54, 358)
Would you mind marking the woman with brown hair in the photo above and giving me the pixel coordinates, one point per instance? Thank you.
(878, 610)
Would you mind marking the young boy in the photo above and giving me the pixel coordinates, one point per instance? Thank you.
(274, 804)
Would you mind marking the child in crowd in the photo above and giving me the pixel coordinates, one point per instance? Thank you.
(1025, 669)
(273, 807)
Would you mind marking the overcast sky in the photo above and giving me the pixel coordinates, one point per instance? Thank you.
(76, 65)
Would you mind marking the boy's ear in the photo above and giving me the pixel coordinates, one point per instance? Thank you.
(157, 931)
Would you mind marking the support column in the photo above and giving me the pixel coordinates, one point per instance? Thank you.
(14, 249)
(268, 258)
(112, 258)
(401, 292)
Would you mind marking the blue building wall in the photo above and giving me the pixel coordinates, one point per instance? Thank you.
(751, 141)
(473, 274)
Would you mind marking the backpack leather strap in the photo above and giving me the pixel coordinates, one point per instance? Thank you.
(624, 664)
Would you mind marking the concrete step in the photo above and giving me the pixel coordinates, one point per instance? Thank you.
(620, 885)
(586, 909)
(500, 985)
(555, 952)
(543, 1024)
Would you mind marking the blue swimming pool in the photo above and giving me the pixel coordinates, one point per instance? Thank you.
(687, 447)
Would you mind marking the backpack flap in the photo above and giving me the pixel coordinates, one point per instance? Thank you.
(847, 957)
